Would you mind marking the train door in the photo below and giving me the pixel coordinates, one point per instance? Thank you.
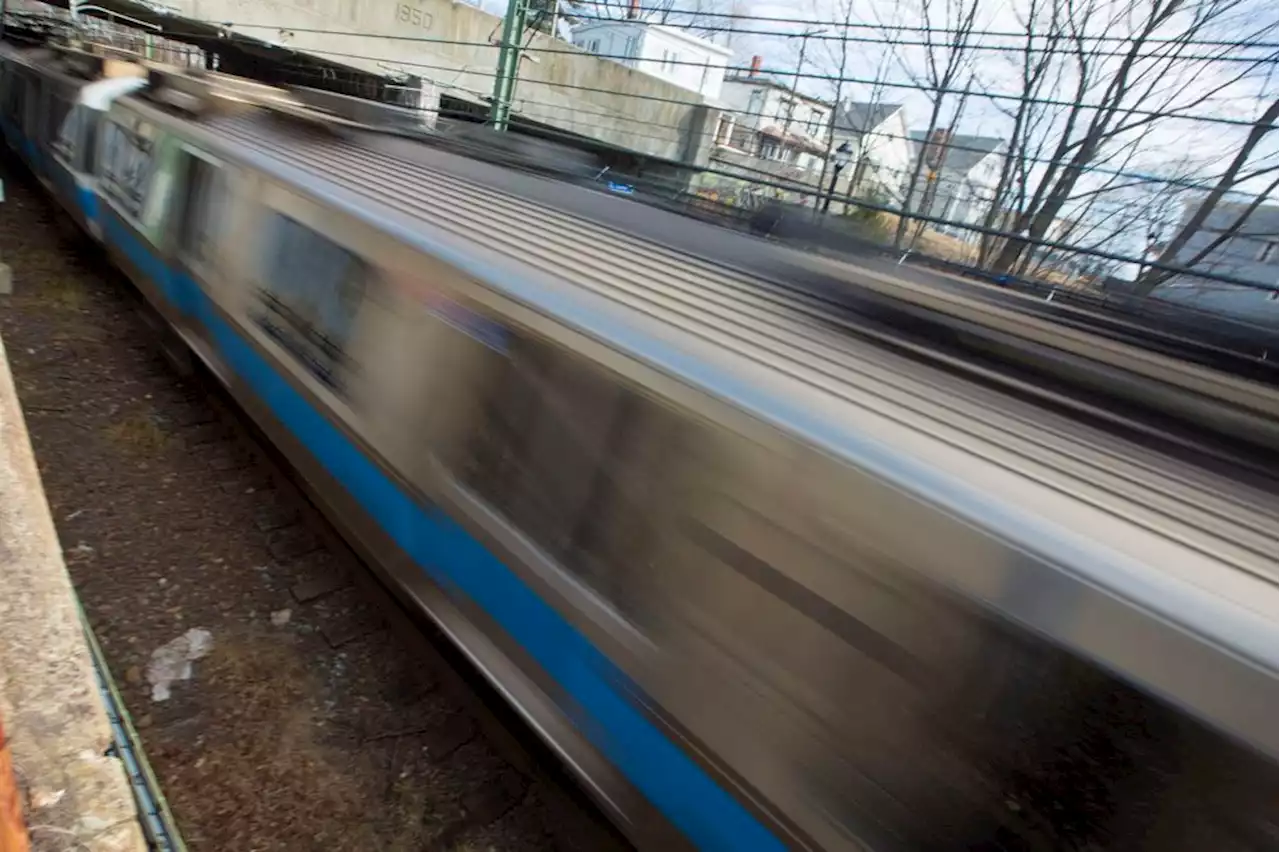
(134, 186)
(200, 216)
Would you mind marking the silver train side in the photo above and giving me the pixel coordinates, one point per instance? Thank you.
(760, 586)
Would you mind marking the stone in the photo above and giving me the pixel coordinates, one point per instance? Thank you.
(55, 725)
(327, 581)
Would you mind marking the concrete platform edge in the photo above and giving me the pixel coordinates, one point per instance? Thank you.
(72, 795)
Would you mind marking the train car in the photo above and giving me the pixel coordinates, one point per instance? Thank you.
(20, 108)
(762, 586)
(72, 154)
(73, 89)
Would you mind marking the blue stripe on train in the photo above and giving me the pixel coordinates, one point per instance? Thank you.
(699, 807)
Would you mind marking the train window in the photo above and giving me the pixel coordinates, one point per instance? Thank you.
(535, 454)
(59, 108)
(69, 132)
(15, 100)
(89, 121)
(202, 215)
(572, 457)
(635, 489)
(125, 166)
(310, 291)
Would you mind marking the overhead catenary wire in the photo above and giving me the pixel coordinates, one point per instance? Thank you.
(797, 187)
(641, 10)
(761, 72)
(971, 46)
(812, 191)
(618, 116)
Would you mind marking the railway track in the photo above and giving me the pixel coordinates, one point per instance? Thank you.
(323, 716)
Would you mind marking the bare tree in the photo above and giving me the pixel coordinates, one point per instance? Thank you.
(1037, 72)
(948, 31)
(1155, 76)
(1235, 174)
(696, 15)
(1112, 213)
(837, 55)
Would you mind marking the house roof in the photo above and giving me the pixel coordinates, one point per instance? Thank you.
(767, 82)
(962, 152)
(854, 117)
(1262, 223)
(674, 32)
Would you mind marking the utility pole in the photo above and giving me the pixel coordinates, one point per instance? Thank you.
(508, 71)
(795, 85)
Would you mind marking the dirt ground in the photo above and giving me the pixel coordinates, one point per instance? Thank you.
(308, 724)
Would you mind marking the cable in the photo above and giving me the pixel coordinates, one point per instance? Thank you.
(763, 72)
(812, 191)
(895, 42)
(1066, 51)
(884, 28)
(809, 190)
(624, 118)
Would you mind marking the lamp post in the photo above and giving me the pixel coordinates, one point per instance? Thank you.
(841, 157)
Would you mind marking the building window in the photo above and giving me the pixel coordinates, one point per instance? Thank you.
(724, 130)
(594, 45)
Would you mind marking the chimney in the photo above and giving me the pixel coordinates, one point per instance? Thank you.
(633, 9)
(755, 66)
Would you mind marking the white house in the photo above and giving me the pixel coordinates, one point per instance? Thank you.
(767, 120)
(664, 52)
(1250, 254)
(881, 159)
(958, 179)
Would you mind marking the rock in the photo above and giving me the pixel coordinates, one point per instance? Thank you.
(172, 660)
(281, 617)
(133, 674)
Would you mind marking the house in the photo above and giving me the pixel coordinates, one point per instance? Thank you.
(769, 138)
(771, 122)
(957, 180)
(667, 53)
(1247, 251)
(882, 150)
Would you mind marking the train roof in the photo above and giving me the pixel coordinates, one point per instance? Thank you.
(99, 95)
(1170, 570)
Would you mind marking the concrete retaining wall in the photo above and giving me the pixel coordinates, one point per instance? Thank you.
(452, 47)
(71, 795)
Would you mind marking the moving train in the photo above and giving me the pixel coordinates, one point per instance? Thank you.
(761, 585)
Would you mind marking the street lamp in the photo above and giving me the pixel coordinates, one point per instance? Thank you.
(840, 158)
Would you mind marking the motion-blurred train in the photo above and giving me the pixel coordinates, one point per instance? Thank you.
(761, 585)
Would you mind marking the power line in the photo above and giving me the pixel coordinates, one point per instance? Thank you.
(895, 42)
(1138, 177)
(734, 70)
(816, 192)
(886, 28)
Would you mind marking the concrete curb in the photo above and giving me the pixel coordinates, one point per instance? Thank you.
(71, 794)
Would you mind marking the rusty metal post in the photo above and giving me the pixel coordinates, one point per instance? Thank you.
(13, 830)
